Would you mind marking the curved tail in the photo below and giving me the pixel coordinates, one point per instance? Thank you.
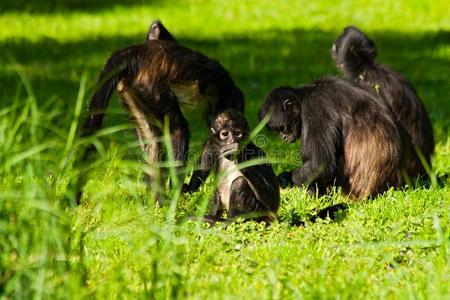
(353, 50)
(334, 212)
(121, 64)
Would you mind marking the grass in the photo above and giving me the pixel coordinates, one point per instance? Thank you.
(119, 244)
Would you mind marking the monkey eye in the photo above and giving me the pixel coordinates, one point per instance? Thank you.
(224, 134)
(237, 134)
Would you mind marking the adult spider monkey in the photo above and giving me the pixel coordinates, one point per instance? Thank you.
(355, 55)
(349, 137)
(155, 80)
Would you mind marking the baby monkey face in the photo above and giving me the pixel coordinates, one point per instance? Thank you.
(230, 139)
(230, 135)
(230, 128)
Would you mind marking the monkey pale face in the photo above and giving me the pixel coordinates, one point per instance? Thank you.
(230, 135)
(230, 129)
(157, 31)
(284, 110)
(288, 133)
(286, 127)
(334, 53)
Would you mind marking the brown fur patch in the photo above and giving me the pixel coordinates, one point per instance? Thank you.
(371, 157)
(187, 93)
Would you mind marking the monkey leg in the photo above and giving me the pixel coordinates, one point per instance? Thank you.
(179, 134)
(206, 162)
(244, 203)
(215, 210)
(149, 136)
(147, 132)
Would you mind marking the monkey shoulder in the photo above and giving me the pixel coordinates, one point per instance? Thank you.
(261, 170)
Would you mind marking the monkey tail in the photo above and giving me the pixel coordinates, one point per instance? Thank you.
(357, 50)
(121, 64)
(333, 212)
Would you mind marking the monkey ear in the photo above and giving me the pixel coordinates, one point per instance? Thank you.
(287, 103)
(213, 131)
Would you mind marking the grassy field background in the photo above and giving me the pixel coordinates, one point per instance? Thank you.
(119, 244)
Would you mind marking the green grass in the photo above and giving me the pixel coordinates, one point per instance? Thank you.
(119, 244)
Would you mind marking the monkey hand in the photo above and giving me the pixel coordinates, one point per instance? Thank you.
(285, 179)
(229, 149)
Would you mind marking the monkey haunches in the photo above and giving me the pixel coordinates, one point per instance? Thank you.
(154, 80)
(355, 54)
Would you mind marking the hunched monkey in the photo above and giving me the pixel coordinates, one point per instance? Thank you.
(349, 137)
(355, 54)
(155, 80)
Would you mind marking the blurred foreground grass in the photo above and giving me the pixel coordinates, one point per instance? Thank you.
(118, 244)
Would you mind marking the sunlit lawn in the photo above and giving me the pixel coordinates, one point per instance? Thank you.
(119, 244)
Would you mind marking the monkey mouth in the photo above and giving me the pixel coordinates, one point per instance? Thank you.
(291, 140)
(229, 149)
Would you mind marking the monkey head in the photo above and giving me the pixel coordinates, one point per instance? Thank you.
(157, 31)
(229, 129)
(284, 107)
(352, 50)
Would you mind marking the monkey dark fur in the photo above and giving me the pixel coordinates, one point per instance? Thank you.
(251, 192)
(355, 55)
(157, 79)
(349, 138)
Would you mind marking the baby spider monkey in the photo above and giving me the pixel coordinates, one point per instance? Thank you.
(250, 192)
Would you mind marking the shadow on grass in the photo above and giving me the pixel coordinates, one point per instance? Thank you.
(336, 213)
(41, 7)
(258, 61)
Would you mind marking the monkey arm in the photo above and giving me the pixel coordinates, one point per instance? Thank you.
(197, 179)
(316, 172)
(260, 177)
(306, 174)
(208, 159)
(314, 176)
(285, 179)
(320, 148)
